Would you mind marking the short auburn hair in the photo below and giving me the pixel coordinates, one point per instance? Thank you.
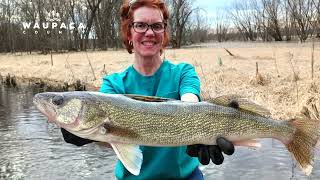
(126, 11)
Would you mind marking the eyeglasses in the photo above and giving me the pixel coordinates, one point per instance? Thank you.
(141, 27)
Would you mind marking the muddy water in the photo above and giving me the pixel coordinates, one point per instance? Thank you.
(30, 148)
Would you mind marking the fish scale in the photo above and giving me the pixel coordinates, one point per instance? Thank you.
(126, 121)
(206, 120)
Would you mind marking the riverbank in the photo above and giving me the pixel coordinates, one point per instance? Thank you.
(283, 82)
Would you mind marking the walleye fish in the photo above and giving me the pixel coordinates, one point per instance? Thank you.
(127, 121)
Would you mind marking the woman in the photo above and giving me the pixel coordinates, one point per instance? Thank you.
(144, 32)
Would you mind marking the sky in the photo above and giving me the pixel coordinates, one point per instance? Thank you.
(213, 7)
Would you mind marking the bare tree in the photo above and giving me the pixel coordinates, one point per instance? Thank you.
(316, 5)
(272, 11)
(93, 6)
(259, 14)
(181, 11)
(302, 12)
(8, 26)
(222, 26)
(107, 24)
(242, 16)
(288, 21)
(198, 27)
(76, 9)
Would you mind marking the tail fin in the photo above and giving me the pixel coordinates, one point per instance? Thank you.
(304, 142)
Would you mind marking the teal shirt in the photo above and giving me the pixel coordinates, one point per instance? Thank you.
(169, 81)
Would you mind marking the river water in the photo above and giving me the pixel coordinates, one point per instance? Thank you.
(30, 148)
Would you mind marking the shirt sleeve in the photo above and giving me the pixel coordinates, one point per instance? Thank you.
(189, 82)
(107, 86)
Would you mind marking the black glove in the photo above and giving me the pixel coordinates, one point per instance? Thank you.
(73, 139)
(213, 152)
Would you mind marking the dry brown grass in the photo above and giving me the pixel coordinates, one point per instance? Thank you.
(276, 86)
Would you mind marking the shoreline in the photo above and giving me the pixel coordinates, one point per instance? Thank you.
(46, 84)
(283, 82)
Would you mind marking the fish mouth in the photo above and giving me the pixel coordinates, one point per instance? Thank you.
(44, 103)
(44, 107)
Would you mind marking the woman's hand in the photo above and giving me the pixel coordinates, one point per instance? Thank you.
(73, 139)
(213, 152)
(189, 97)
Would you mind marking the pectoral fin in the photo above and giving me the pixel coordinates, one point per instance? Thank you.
(241, 103)
(130, 156)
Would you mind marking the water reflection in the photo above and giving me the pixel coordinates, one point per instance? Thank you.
(272, 161)
(31, 148)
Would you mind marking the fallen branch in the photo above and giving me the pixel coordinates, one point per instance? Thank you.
(229, 52)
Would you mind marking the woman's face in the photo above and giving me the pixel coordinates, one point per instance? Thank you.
(149, 43)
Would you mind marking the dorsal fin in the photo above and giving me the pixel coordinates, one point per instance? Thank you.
(240, 103)
(148, 98)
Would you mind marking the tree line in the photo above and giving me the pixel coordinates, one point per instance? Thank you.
(44, 25)
(73, 25)
(270, 20)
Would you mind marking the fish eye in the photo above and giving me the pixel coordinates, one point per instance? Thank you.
(57, 100)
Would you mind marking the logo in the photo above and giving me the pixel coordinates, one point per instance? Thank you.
(53, 23)
(53, 16)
